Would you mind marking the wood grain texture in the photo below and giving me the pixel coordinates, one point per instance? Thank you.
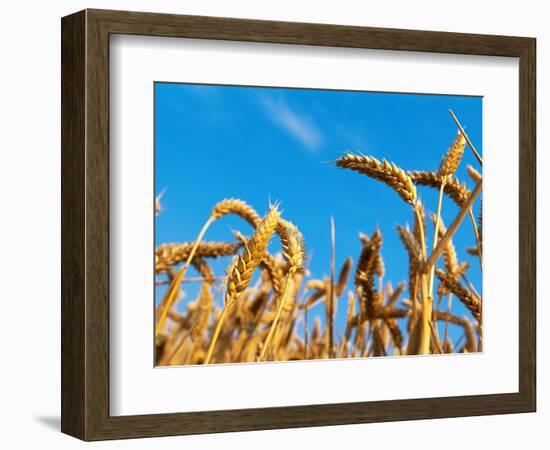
(85, 224)
(72, 224)
(527, 225)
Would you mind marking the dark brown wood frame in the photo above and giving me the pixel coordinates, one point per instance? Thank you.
(85, 224)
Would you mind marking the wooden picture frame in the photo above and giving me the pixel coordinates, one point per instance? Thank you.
(85, 224)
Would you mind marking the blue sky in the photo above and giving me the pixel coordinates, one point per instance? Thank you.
(270, 144)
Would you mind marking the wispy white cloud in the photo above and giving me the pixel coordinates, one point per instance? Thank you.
(300, 126)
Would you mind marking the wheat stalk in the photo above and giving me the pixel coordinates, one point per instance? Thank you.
(272, 267)
(238, 207)
(474, 174)
(480, 225)
(456, 190)
(368, 261)
(395, 332)
(416, 258)
(470, 345)
(250, 258)
(344, 275)
(452, 229)
(259, 320)
(365, 271)
(168, 255)
(349, 323)
(425, 318)
(293, 246)
(450, 259)
(452, 267)
(380, 267)
(270, 264)
(447, 168)
(241, 273)
(475, 152)
(226, 206)
(472, 302)
(384, 171)
(331, 299)
(412, 246)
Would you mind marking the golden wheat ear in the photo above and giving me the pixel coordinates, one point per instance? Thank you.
(344, 275)
(241, 272)
(294, 252)
(226, 206)
(452, 158)
(471, 301)
(368, 263)
(461, 130)
(293, 244)
(167, 255)
(269, 264)
(412, 246)
(238, 207)
(250, 258)
(383, 171)
(457, 191)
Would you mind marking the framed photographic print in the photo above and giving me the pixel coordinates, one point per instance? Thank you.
(255, 211)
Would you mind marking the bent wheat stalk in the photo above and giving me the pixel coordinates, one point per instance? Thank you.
(292, 242)
(457, 191)
(223, 208)
(167, 255)
(241, 273)
(389, 174)
(470, 300)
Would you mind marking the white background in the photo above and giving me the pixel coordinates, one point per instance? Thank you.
(136, 387)
(30, 172)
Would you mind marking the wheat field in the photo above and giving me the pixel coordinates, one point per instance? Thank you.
(268, 299)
